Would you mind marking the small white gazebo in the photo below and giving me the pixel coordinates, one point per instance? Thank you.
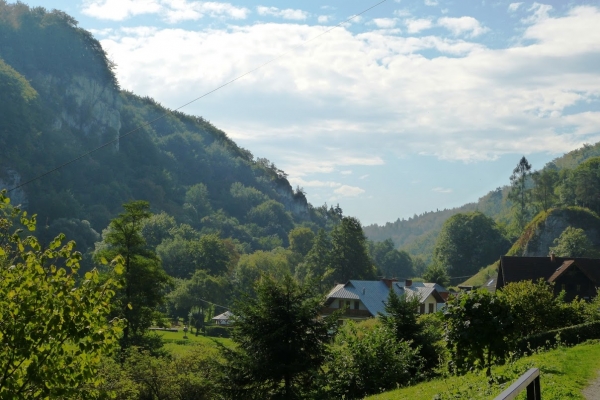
(223, 319)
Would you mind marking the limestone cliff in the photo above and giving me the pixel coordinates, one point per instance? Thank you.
(540, 234)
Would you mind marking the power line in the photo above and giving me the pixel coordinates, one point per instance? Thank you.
(192, 101)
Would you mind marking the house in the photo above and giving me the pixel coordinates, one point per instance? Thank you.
(366, 299)
(575, 275)
(223, 319)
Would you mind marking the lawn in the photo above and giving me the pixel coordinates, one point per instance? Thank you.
(176, 344)
(564, 373)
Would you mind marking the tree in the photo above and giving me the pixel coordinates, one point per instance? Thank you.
(366, 361)
(317, 264)
(534, 308)
(477, 326)
(544, 182)
(144, 279)
(391, 262)
(196, 292)
(349, 256)
(468, 242)
(573, 242)
(519, 194)
(281, 341)
(301, 240)
(437, 274)
(53, 329)
(587, 184)
(401, 317)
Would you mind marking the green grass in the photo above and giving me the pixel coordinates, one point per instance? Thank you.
(177, 345)
(564, 373)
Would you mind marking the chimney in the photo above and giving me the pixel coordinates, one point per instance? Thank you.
(552, 256)
(408, 282)
(389, 282)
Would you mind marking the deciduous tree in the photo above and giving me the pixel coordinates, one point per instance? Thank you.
(53, 329)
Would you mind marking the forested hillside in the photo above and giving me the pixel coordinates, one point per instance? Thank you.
(417, 235)
(60, 99)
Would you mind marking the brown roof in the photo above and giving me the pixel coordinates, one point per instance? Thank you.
(515, 269)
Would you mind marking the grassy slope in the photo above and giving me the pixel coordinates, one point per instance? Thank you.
(564, 373)
(177, 345)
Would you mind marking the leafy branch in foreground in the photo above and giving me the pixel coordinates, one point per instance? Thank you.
(53, 329)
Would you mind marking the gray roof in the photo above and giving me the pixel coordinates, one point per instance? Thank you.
(373, 294)
(225, 316)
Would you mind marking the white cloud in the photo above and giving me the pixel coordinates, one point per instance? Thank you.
(417, 25)
(346, 172)
(118, 10)
(441, 190)
(287, 13)
(171, 10)
(431, 2)
(402, 13)
(359, 99)
(462, 25)
(314, 183)
(512, 7)
(540, 12)
(349, 191)
(365, 176)
(323, 19)
(385, 23)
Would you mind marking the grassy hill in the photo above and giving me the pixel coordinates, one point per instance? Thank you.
(564, 373)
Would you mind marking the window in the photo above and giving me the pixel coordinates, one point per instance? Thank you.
(341, 303)
(348, 303)
(430, 308)
(422, 309)
(579, 288)
(563, 287)
(356, 304)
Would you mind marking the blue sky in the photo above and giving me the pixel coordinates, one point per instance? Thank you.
(412, 107)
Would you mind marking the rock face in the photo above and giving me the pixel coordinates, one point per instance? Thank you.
(541, 235)
(10, 179)
(87, 105)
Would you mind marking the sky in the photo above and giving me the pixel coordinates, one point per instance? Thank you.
(413, 106)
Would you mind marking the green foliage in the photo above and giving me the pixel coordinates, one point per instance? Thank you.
(564, 372)
(301, 240)
(349, 254)
(218, 331)
(534, 308)
(544, 185)
(519, 195)
(52, 330)
(251, 267)
(318, 262)
(369, 361)
(437, 274)
(195, 293)
(281, 342)
(191, 376)
(570, 335)
(401, 318)
(455, 247)
(144, 279)
(477, 324)
(389, 261)
(573, 242)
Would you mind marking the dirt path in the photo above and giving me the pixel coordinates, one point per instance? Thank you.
(592, 391)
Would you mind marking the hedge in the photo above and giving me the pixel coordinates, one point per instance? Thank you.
(571, 335)
(218, 331)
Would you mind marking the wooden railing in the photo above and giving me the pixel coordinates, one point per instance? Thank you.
(530, 380)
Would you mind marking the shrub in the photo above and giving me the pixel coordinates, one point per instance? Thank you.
(571, 335)
(218, 331)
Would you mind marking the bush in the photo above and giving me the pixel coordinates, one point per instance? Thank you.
(218, 331)
(571, 335)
